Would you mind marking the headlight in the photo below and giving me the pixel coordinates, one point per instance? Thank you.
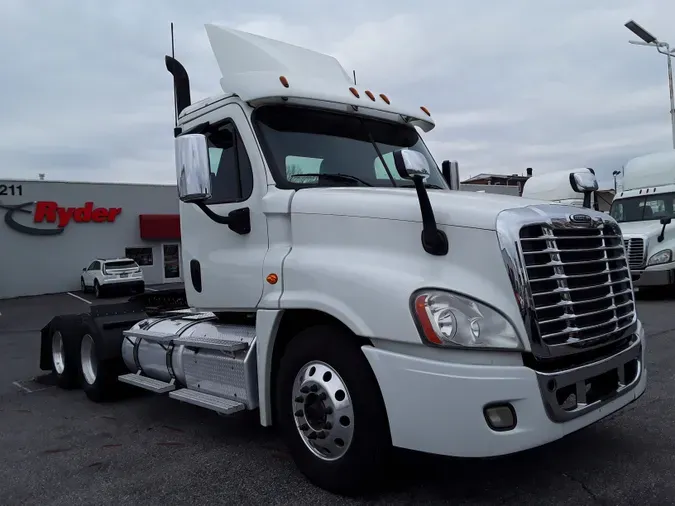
(447, 319)
(662, 257)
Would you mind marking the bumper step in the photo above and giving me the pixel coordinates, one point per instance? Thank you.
(208, 401)
(210, 343)
(151, 384)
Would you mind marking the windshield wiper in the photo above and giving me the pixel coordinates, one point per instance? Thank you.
(431, 186)
(335, 176)
(379, 153)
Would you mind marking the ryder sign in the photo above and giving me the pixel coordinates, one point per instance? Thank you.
(51, 212)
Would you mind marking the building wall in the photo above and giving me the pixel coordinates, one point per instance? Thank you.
(32, 265)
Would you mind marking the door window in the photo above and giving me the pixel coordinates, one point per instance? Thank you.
(231, 172)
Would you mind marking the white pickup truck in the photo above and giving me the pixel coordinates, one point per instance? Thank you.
(339, 284)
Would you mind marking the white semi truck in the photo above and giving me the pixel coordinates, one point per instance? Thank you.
(561, 186)
(644, 210)
(338, 283)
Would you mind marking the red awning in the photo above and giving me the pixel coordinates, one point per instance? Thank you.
(160, 227)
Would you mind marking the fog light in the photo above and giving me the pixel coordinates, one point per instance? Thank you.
(500, 417)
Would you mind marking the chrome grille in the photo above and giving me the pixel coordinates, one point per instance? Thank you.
(579, 283)
(635, 251)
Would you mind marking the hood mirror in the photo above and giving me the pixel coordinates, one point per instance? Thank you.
(583, 182)
(414, 165)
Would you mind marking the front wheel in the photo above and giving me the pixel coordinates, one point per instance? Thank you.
(331, 411)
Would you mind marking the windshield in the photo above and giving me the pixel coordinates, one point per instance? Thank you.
(299, 141)
(643, 207)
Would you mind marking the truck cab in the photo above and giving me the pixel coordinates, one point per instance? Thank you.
(563, 187)
(340, 285)
(644, 210)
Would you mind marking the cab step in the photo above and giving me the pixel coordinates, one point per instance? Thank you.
(148, 335)
(151, 384)
(208, 401)
(210, 343)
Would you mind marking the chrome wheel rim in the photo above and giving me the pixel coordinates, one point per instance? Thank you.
(88, 359)
(323, 411)
(58, 354)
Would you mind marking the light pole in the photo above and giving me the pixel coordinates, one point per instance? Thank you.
(663, 48)
(615, 173)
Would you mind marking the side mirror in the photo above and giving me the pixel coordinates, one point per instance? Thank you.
(664, 221)
(84, 269)
(451, 174)
(583, 182)
(411, 163)
(193, 168)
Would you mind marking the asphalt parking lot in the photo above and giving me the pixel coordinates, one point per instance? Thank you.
(58, 448)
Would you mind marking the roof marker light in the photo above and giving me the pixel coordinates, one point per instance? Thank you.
(354, 92)
(370, 95)
(284, 81)
(385, 98)
(425, 111)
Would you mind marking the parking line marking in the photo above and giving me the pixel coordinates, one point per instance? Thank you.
(19, 385)
(78, 297)
(152, 289)
(28, 390)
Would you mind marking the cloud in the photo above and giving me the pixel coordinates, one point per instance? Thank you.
(516, 84)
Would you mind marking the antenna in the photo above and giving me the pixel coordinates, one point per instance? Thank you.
(354, 71)
(173, 55)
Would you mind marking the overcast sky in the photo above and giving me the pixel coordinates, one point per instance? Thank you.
(547, 84)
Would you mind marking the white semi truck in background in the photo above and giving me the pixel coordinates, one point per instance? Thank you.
(644, 210)
(560, 186)
(338, 283)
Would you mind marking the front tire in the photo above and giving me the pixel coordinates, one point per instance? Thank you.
(97, 289)
(331, 411)
(83, 287)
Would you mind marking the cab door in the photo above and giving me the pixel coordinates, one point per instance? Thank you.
(222, 268)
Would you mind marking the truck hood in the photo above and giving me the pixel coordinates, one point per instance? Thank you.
(649, 228)
(458, 208)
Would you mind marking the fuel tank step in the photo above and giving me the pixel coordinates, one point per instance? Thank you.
(210, 343)
(201, 399)
(156, 386)
(148, 335)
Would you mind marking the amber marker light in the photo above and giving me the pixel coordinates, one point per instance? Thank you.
(425, 110)
(272, 279)
(284, 81)
(370, 95)
(354, 92)
(385, 98)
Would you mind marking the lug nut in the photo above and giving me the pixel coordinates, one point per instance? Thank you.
(299, 398)
(305, 389)
(311, 435)
(321, 435)
(328, 425)
(299, 412)
(314, 388)
(329, 410)
(322, 396)
(304, 427)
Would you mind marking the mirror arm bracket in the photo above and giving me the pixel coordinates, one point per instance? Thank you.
(238, 221)
(434, 240)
